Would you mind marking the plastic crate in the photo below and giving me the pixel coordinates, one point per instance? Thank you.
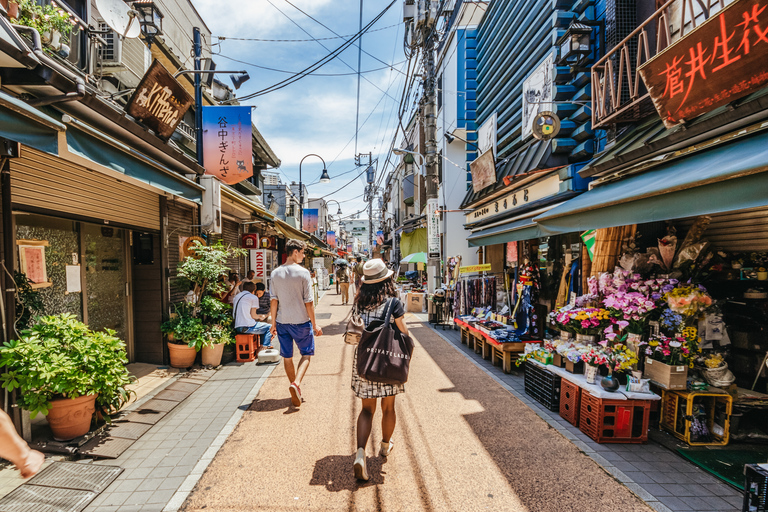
(543, 386)
(677, 413)
(614, 421)
(245, 347)
(755, 489)
(570, 401)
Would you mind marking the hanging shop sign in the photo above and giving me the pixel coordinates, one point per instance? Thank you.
(721, 60)
(228, 143)
(433, 229)
(259, 263)
(538, 93)
(483, 169)
(469, 269)
(330, 237)
(187, 246)
(250, 241)
(159, 101)
(268, 242)
(486, 135)
(541, 189)
(310, 220)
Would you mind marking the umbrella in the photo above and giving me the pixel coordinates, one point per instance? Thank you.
(416, 257)
(341, 261)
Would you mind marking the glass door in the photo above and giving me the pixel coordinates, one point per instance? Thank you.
(106, 279)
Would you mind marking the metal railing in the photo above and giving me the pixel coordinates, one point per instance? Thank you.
(619, 93)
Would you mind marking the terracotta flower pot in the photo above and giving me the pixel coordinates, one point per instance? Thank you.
(212, 355)
(71, 417)
(181, 356)
(13, 9)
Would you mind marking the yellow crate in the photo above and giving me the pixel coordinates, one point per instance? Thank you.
(677, 413)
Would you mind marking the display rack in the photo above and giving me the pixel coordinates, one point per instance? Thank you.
(712, 407)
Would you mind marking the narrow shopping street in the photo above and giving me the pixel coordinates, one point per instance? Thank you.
(462, 443)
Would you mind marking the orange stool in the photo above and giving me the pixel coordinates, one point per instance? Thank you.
(245, 347)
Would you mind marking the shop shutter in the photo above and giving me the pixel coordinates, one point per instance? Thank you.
(181, 219)
(738, 231)
(230, 235)
(40, 180)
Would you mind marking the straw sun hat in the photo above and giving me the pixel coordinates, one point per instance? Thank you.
(375, 271)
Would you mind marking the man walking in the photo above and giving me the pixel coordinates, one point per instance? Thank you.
(342, 278)
(293, 315)
(245, 309)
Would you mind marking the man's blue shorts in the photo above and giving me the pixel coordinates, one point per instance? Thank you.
(302, 334)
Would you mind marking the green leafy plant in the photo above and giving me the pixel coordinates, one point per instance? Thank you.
(204, 268)
(28, 301)
(59, 357)
(44, 18)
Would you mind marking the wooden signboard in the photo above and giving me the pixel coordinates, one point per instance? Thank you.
(721, 60)
(483, 170)
(159, 101)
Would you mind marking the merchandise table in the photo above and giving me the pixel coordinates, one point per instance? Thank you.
(597, 390)
(489, 347)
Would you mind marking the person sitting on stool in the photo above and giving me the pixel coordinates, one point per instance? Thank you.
(264, 303)
(246, 310)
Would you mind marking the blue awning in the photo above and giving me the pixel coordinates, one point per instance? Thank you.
(117, 156)
(25, 124)
(725, 178)
(523, 229)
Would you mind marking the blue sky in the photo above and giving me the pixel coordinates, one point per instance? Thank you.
(315, 114)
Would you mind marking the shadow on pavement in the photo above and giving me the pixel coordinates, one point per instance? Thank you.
(335, 473)
(270, 404)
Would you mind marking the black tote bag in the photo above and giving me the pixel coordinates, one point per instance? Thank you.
(384, 353)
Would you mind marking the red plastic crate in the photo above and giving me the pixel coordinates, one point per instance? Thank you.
(570, 401)
(614, 421)
(245, 347)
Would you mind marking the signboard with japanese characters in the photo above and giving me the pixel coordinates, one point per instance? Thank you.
(159, 101)
(228, 143)
(721, 60)
(433, 229)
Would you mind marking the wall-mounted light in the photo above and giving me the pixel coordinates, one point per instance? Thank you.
(150, 18)
(575, 45)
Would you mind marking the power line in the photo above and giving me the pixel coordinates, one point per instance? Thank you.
(225, 38)
(313, 74)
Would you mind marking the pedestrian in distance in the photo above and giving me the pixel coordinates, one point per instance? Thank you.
(245, 309)
(377, 287)
(342, 278)
(14, 449)
(293, 315)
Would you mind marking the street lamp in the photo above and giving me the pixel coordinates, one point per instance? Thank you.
(324, 178)
(335, 201)
(402, 152)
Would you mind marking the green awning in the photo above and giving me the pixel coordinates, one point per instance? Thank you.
(117, 156)
(21, 123)
(523, 229)
(415, 241)
(725, 178)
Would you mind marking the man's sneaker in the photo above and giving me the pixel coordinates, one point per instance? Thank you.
(361, 472)
(386, 448)
(295, 394)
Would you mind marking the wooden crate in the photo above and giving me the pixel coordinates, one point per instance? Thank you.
(570, 402)
(614, 421)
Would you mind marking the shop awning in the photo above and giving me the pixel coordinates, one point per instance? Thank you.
(521, 227)
(289, 231)
(724, 178)
(113, 154)
(21, 123)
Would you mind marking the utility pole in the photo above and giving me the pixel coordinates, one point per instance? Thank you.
(370, 193)
(423, 14)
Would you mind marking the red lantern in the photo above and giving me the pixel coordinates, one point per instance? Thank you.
(250, 241)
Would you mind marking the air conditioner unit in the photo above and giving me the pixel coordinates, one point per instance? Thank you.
(110, 54)
(210, 212)
(126, 59)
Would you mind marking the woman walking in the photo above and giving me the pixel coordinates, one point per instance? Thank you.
(376, 289)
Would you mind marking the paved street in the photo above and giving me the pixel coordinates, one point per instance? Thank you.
(462, 442)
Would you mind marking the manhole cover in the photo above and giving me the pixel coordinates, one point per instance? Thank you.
(157, 405)
(323, 316)
(71, 475)
(174, 396)
(105, 447)
(128, 430)
(187, 387)
(35, 498)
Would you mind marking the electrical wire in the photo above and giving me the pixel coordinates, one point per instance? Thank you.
(313, 74)
(225, 38)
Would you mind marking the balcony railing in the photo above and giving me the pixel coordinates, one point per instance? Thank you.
(619, 93)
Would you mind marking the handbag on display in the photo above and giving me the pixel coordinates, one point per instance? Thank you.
(384, 353)
(355, 328)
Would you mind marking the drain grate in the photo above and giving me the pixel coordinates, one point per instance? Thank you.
(128, 430)
(147, 416)
(34, 498)
(71, 475)
(157, 405)
(106, 447)
(186, 387)
(174, 396)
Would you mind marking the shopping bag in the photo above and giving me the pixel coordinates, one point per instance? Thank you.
(384, 353)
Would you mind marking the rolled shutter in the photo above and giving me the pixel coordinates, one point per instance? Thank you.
(40, 180)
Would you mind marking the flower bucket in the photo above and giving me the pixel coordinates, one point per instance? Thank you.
(587, 339)
(666, 376)
(590, 373)
(565, 336)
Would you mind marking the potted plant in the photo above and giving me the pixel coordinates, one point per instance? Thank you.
(217, 318)
(668, 359)
(185, 334)
(52, 22)
(64, 370)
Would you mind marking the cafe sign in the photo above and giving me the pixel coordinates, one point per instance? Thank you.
(722, 60)
(522, 196)
(159, 101)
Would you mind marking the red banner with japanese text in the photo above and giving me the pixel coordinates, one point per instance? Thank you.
(721, 60)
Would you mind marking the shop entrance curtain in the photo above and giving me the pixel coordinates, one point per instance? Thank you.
(725, 178)
(415, 241)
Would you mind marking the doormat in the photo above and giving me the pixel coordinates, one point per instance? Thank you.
(725, 463)
(61, 487)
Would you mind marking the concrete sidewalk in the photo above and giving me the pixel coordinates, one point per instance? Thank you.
(462, 442)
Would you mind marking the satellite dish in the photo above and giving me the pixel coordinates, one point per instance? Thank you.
(120, 17)
(546, 125)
